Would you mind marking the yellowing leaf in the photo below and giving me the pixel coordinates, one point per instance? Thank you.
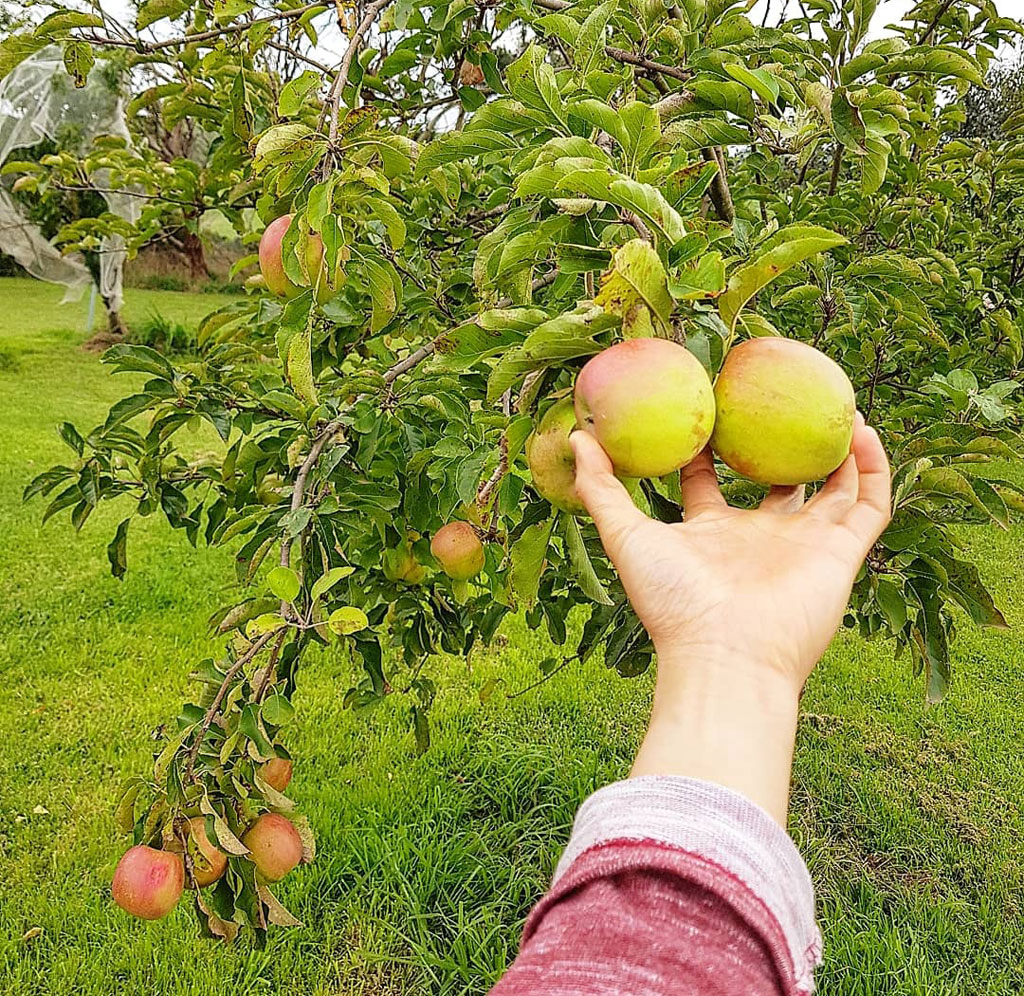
(347, 620)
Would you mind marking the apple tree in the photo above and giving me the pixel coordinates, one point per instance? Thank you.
(502, 190)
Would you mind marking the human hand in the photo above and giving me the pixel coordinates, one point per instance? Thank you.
(764, 587)
(740, 604)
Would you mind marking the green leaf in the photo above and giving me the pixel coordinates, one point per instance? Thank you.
(16, 48)
(277, 710)
(527, 556)
(563, 338)
(124, 814)
(580, 559)
(295, 92)
(300, 367)
(602, 116)
(458, 145)
(346, 620)
(78, 61)
(117, 550)
(725, 96)
(139, 358)
(642, 198)
(155, 10)
(759, 80)
(690, 135)
(637, 279)
(284, 583)
(847, 124)
(392, 221)
(328, 580)
(935, 61)
(892, 604)
(789, 246)
(643, 129)
(64, 20)
(589, 44)
(532, 81)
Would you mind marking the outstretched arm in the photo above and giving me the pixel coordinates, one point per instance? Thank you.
(682, 879)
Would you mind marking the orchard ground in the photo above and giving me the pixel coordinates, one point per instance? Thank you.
(912, 821)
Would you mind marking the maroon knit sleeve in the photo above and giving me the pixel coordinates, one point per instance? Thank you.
(671, 886)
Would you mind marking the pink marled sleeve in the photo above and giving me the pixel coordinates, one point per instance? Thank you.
(671, 885)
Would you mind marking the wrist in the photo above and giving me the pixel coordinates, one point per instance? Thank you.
(724, 720)
(720, 666)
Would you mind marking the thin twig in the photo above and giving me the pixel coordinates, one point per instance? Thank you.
(211, 713)
(334, 96)
(271, 668)
(230, 29)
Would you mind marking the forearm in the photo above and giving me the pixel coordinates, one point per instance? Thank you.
(725, 721)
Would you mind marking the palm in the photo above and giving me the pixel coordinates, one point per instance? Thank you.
(770, 582)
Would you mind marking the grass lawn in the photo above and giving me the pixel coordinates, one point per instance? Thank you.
(912, 821)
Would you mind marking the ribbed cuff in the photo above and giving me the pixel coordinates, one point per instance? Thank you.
(720, 826)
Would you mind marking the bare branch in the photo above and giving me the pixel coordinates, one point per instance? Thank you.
(230, 29)
(334, 96)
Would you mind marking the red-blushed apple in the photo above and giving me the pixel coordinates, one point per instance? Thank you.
(785, 412)
(209, 862)
(649, 403)
(458, 550)
(277, 773)
(274, 846)
(311, 251)
(551, 459)
(148, 883)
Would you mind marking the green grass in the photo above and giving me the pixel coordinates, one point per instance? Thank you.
(911, 820)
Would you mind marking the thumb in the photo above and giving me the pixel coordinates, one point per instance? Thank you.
(607, 500)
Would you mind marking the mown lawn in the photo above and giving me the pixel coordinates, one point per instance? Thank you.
(910, 819)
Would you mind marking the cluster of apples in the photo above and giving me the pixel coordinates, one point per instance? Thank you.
(149, 881)
(780, 412)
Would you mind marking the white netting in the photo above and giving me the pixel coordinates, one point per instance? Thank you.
(39, 101)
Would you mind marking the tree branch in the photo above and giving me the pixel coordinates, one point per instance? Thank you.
(334, 96)
(719, 191)
(230, 29)
(219, 698)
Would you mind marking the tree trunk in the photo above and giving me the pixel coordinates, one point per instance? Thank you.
(194, 253)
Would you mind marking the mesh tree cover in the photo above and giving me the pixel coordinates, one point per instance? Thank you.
(39, 101)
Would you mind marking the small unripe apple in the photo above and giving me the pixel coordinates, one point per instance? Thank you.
(209, 862)
(277, 773)
(649, 403)
(148, 883)
(458, 550)
(551, 459)
(274, 846)
(785, 412)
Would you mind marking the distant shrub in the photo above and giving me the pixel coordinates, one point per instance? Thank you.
(166, 336)
(9, 362)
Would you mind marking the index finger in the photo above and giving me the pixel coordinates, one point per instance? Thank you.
(698, 486)
(870, 513)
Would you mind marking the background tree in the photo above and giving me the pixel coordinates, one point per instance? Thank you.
(482, 197)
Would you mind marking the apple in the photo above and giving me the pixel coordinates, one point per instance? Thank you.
(311, 252)
(209, 862)
(551, 459)
(274, 846)
(649, 403)
(400, 564)
(458, 550)
(277, 773)
(785, 412)
(148, 883)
